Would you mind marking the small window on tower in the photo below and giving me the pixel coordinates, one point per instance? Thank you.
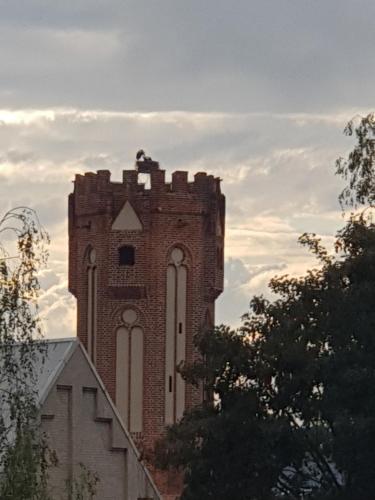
(126, 255)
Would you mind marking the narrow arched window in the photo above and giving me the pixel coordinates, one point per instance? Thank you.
(129, 371)
(175, 335)
(126, 255)
(91, 303)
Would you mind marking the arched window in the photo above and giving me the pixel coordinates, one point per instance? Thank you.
(129, 371)
(126, 255)
(91, 303)
(175, 335)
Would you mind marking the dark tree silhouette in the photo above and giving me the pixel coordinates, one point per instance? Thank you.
(292, 411)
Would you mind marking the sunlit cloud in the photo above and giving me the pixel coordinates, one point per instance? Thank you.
(278, 185)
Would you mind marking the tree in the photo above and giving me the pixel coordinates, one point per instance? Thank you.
(358, 167)
(84, 484)
(293, 412)
(22, 449)
(25, 455)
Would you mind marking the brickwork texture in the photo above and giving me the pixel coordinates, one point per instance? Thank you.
(183, 214)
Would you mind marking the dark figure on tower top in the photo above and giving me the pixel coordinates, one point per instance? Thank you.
(145, 164)
(141, 155)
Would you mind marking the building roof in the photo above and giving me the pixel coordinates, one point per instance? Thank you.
(49, 365)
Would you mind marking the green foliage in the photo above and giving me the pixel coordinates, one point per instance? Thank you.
(22, 449)
(290, 411)
(26, 463)
(359, 167)
(293, 388)
(25, 456)
(83, 486)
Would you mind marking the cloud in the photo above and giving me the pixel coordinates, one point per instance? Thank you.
(57, 311)
(277, 172)
(146, 55)
(242, 282)
(255, 92)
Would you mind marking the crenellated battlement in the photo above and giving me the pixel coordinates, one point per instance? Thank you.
(100, 181)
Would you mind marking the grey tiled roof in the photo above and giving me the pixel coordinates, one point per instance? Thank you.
(49, 366)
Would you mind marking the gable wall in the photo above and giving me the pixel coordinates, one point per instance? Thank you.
(82, 428)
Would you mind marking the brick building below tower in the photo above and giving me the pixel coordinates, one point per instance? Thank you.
(145, 265)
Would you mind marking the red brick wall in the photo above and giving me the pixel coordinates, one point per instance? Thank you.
(179, 213)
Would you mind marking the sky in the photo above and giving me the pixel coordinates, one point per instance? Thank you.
(256, 92)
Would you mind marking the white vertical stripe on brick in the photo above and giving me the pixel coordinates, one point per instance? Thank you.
(89, 311)
(170, 344)
(122, 373)
(180, 338)
(136, 380)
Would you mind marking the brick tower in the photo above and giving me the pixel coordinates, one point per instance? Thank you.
(146, 266)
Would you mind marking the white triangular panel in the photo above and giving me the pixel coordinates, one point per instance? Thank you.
(127, 219)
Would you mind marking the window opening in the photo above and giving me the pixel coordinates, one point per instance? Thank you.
(144, 178)
(126, 255)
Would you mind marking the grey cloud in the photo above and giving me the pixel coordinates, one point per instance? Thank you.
(277, 175)
(236, 273)
(235, 300)
(17, 157)
(281, 77)
(212, 55)
(258, 270)
(268, 163)
(52, 210)
(57, 311)
(87, 14)
(48, 278)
